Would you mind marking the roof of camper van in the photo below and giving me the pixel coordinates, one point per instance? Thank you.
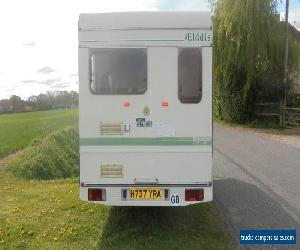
(145, 20)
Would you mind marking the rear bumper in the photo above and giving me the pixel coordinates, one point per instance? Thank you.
(115, 194)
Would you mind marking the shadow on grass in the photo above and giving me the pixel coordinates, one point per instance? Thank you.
(193, 227)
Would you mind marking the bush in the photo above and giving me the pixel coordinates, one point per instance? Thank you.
(52, 157)
(293, 101)
(231, 107)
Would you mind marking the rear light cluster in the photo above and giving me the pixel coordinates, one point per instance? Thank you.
(194, 194)
(96, 194)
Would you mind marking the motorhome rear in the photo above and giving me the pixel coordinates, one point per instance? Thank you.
(145, 86)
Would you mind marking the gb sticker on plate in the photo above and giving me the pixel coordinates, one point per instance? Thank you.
(175, 200)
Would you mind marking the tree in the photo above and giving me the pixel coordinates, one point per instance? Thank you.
(75, 98)
(248, 56)
(50, 100)
(5, 106)
(43, 102)
(17, 103)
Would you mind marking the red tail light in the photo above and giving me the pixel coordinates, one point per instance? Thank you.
(95, 194)
(126, 104)
(165, 104)
(194, 194)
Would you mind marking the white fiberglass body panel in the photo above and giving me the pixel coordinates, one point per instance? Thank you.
(142, 128)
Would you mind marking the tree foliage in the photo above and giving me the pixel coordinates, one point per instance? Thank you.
(248, 56)
(50, 100)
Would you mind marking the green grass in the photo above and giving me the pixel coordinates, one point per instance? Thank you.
(49, 215)
(18, 130)
(54, 156)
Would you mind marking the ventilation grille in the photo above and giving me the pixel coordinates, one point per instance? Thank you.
(111, 128)
(111, 171)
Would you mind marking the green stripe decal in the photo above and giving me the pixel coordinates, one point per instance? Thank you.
(145, 141)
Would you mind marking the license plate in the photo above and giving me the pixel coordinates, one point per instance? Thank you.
(146, 193)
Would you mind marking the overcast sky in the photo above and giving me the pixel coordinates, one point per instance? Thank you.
(38, 49)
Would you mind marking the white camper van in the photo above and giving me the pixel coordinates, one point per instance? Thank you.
(145, 86)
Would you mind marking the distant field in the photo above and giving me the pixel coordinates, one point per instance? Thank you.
(49, 215)
(18, 130)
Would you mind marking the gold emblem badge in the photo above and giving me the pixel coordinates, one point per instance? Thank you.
(146, 111)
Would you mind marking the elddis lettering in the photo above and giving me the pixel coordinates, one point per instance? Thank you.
(197, 37)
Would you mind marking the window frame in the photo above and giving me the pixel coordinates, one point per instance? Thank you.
(93, 51)
(179, 50)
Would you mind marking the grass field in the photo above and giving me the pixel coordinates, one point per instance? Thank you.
(18, 130)
(49, 215)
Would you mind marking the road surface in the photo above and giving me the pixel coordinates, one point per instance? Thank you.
(256, 183)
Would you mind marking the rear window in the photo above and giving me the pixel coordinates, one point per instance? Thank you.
(118, 71)
(190, 75)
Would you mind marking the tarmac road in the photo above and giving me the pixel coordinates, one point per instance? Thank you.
(256, 183)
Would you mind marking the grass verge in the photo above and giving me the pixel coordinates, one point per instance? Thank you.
(263, 124)
(55, 156)
(49, 215)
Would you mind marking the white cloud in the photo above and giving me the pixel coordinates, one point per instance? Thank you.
(29, 44)
(46, 70)
(28, 81)
(50, 82)
(182, 5)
